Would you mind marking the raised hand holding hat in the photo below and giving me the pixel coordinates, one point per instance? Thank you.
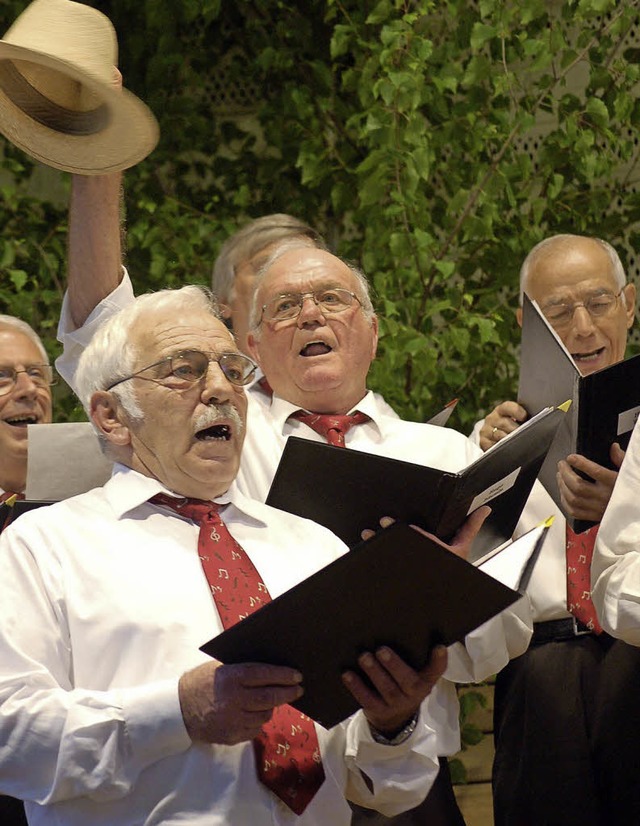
(58, 101)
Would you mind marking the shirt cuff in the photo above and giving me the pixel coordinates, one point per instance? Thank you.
(153, 722)
(75, 339)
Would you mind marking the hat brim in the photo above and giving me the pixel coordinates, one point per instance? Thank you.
(128, 134)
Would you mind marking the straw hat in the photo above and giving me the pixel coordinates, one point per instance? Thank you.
(58, 101)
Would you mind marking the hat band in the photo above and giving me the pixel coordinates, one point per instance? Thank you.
(44, 111)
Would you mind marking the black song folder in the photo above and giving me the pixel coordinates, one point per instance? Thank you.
(399, 588)
(349, 490)
(605, 405)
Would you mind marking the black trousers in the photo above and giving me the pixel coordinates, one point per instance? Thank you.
(439, 808)
(12, 812)
(567, 735)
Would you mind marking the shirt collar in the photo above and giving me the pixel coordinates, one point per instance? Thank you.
(280, 410)
(127, 489)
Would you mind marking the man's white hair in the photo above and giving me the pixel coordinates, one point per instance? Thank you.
(27, 330)
(111, 356)
(565, 241)
(250, 240)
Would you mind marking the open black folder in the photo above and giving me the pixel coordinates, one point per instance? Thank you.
(605, 404)
(349, 490)
(399, 588)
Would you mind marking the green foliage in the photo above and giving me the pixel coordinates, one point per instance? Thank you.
(471, 734)
(433, 143)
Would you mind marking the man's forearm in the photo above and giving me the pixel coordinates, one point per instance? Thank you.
(95, 253)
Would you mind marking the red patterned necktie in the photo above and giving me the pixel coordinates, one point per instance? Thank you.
(288, 759)
(332, 428)
(579, 552)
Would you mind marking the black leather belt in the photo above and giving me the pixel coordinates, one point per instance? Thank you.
(562, 629)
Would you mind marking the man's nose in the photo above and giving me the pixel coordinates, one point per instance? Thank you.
(215, 385)
(25, 386)
(583, 323)
(310, 310)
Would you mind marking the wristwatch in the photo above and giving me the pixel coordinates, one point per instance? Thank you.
(398, 738)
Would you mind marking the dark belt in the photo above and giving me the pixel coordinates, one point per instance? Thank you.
(562, 629)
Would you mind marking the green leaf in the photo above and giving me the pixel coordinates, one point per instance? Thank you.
(18, 278)
(380, 13)
(481, 34)
(471, 735)
(445, 268)
(340, 40)
(597, 112)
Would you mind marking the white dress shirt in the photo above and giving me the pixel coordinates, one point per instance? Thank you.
(615, 569)
(104, 606)
(547, 587)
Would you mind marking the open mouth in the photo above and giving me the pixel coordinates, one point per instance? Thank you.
(215, 433)
(21, 421)
(592, 356)
(315, 348)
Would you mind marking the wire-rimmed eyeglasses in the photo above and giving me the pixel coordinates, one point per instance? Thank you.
(183, 369)
(289, 305)
(598, 305)
(40, 374)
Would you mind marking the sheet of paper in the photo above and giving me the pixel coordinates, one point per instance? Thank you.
(512, 562)
(64, 460)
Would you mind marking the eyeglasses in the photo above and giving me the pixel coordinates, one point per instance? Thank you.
(40, 374)
(183, 369)
(598, 305)
(289, 306)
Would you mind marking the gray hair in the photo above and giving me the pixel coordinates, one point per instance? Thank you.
(111, 356)
(566, 240)
(252, 239)
(27, 330)
(363, 288)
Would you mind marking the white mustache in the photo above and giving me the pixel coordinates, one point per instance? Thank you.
(216, 413)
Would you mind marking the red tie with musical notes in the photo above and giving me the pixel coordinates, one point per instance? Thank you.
(579, 553)
(332, 428)
(288, 759)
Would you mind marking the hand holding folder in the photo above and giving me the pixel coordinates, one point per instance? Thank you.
(399, 589)
(348, 491)
(605, 404)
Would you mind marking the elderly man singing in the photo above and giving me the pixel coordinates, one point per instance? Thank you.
(25, 398)
(109, 713)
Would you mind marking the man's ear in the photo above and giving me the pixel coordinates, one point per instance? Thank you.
(225, 316)
(252, 344)
(630, 304)
(107, 415)
(374, 328)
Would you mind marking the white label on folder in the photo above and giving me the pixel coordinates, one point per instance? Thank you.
(627, 420)
(495, 490)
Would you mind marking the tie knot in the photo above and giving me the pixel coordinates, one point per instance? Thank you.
(332, 427)
(196, 509)
(8, 494)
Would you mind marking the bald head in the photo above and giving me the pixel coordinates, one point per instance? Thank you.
(576, 272)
